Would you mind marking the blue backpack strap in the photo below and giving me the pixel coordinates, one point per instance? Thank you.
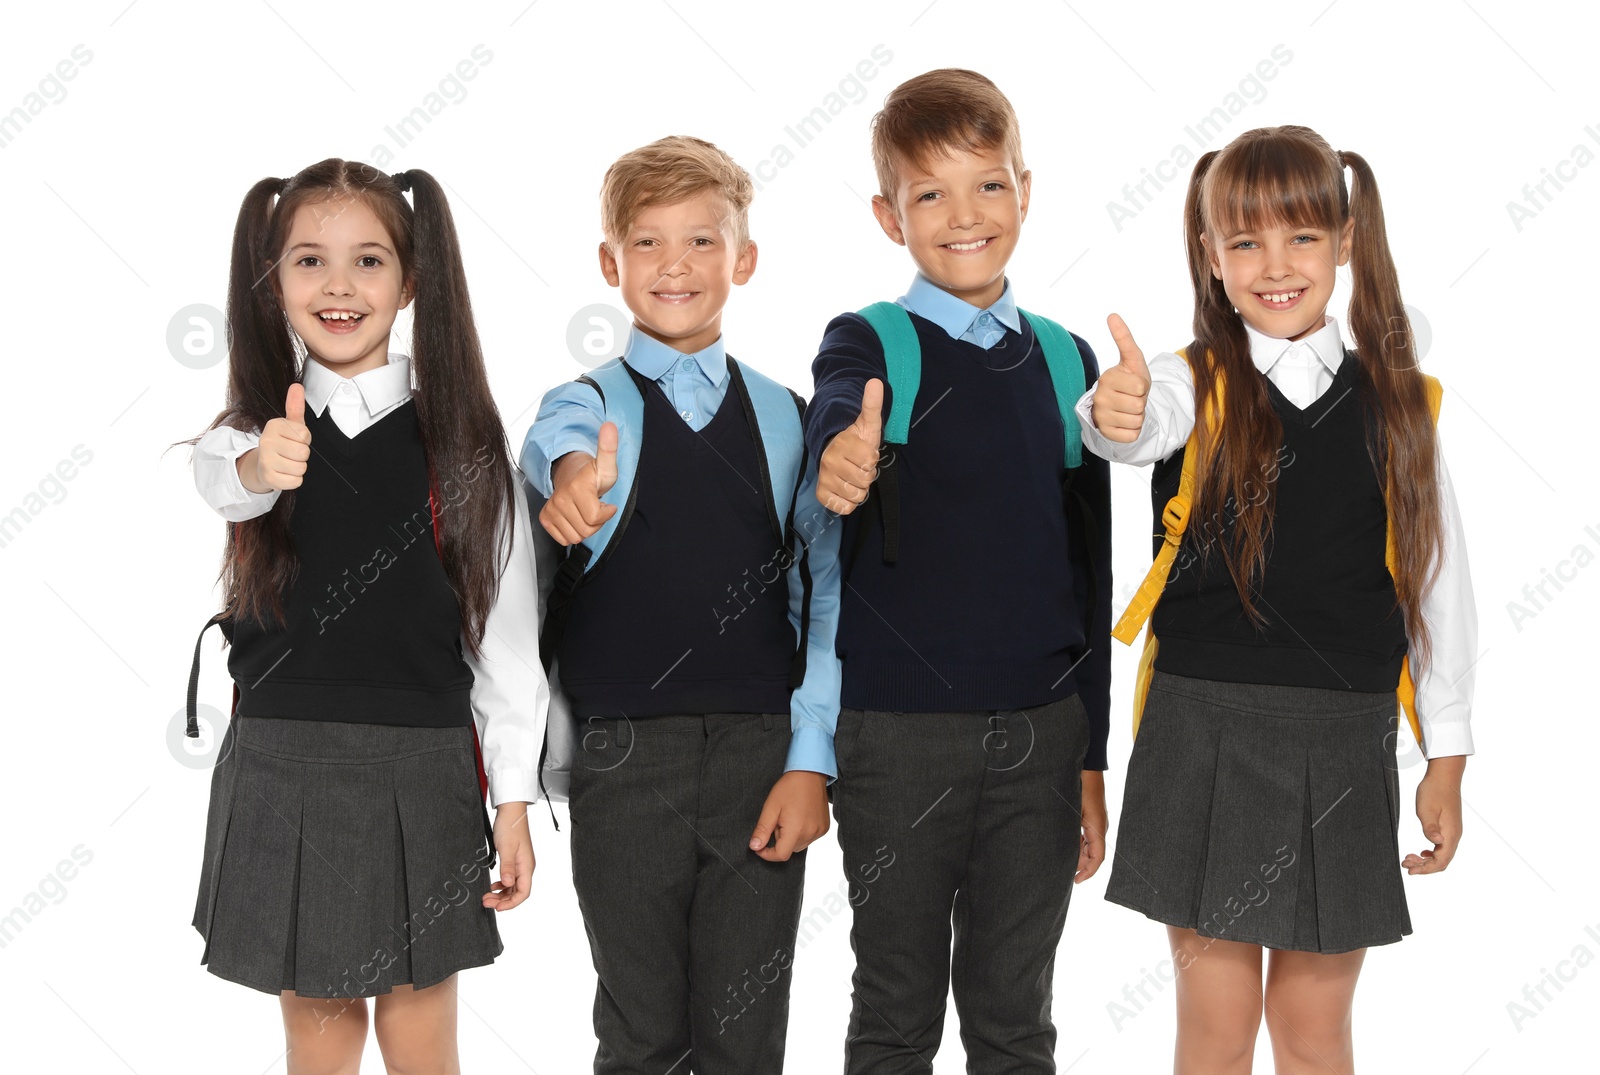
(776, 415)
(1066, 375)
(902, 357)
(623, 398)
(624, 406)
(775, 419)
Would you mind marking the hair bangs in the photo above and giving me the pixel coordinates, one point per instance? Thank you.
(1279, 183)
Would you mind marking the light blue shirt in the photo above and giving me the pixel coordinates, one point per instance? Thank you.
(960, 319)
(569, 421)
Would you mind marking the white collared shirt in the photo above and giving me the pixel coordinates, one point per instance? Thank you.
(1303, 370)
(510, 694)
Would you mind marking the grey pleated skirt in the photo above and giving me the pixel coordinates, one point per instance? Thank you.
(342, 860)
(1264, 814)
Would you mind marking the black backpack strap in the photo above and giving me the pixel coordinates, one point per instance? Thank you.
(1083, 527)
(887, 494)
(192, 706)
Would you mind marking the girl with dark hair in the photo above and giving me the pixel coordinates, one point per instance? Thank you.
(379, 598)
(1310, 570)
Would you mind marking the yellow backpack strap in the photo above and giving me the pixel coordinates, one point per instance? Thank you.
(1406, 692)
(1174, 521)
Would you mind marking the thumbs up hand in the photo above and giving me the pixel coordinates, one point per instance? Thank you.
(1120, 394)
(849, 464)
(575, 510)
(279, 460)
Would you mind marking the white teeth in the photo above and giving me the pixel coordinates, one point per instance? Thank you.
(672, 295)
(1284, 296)
(979, 245)
(339, 315)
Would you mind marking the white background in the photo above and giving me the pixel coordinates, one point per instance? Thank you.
(120, 201)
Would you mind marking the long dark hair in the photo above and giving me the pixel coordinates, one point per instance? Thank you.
(1291, 176)
(461, 429)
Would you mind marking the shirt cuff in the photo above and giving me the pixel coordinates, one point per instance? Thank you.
(565, 446)
(216, 475)
(811, 750)
(1446, 738)
(510, 784)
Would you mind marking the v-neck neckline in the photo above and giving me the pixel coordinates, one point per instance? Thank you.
(1319, 408)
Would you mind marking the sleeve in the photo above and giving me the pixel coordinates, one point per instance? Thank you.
(849, 356)
(569, 420)
(1090, 500)
(1444, 689)
(510, 695)
(1168, 416)
(216, 475)
(814, 705)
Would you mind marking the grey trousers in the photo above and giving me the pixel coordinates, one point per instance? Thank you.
(692, 933)
(963, 822)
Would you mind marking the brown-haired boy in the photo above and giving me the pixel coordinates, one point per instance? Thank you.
(975, 618)
(706, 733)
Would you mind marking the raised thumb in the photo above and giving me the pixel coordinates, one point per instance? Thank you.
(605, 460)
(294, 405)
(870, 421)
(1130, 357)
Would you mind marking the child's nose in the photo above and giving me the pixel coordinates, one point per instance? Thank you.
(965, 213)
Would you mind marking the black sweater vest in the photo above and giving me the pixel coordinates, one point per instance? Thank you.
(1326, 593)
(687, 611)
(979, 611)
(373, 629)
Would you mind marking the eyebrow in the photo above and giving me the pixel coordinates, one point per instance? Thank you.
(1000, 170)
(359, 246)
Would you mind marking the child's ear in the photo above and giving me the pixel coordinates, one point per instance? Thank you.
(745, 267)
(271, 273)
(1211, 255)
(1344, 240)
(608, 266)
(1025, 188)
(888, 218)
(408, 291)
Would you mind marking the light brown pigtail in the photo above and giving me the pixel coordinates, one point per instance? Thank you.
(1408, 451)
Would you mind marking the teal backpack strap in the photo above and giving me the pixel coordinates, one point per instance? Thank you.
(902, 357)
(1066, 376)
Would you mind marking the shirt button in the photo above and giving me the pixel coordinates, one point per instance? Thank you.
(346, 387)
(688, 416)
(688, 364)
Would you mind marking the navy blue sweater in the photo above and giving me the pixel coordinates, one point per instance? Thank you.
(678, 619)
(989, 603)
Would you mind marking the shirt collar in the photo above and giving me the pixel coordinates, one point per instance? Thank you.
(956, 316)
(1325, 343)
(653, 358)
(380, 388)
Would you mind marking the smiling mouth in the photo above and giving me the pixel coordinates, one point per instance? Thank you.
(341, 321)
(969, 247)
(674, 296)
